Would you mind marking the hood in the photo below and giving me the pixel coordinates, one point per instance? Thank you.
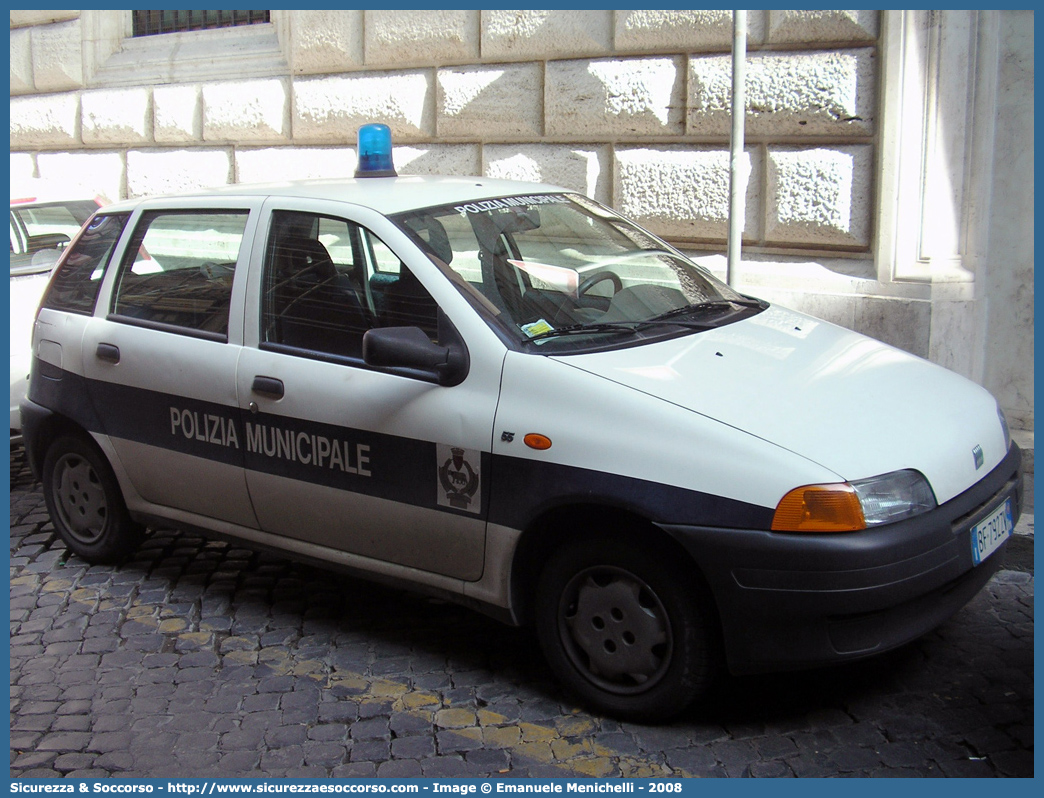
(851, 404)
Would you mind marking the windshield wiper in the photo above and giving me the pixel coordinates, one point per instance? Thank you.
(708, 305)
(671, 317)
(595, 327)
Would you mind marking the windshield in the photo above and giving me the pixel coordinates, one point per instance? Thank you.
(561, 272)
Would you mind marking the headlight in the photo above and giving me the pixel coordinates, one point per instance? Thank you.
(850, 506)
(893, 497)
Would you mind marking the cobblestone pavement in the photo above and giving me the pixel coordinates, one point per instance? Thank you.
(198, 658)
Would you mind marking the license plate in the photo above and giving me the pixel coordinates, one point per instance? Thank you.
(988, 535)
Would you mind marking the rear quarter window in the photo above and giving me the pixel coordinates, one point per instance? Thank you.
(74, 287)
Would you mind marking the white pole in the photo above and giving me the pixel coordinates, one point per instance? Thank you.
(737, 180)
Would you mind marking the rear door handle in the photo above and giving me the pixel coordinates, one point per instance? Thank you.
(110, 353)
(269, 387)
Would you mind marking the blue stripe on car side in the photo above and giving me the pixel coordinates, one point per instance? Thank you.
(515, 490)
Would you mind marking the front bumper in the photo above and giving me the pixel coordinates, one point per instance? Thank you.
(800, 600)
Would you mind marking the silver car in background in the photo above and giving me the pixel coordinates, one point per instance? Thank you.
(43, 222)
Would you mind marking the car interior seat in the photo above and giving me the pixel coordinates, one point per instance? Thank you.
(314, 307)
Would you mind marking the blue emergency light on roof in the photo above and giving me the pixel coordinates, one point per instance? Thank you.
(375, 152)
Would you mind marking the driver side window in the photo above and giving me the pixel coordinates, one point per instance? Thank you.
(328, 280)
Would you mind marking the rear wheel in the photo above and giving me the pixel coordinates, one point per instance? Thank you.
(85, 502)
(621, 626)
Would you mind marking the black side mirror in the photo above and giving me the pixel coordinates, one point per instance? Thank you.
(410, 348)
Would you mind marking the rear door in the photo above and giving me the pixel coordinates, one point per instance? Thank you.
(161, 362)
(378, 463)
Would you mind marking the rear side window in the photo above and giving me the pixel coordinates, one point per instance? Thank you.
(177, 273)
(74, 287)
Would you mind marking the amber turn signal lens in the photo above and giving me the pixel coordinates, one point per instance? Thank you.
(535, 440)
(819, 508)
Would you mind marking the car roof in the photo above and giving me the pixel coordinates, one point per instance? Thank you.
(386, 195)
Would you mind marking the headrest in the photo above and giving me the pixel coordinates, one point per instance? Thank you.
(433, 234)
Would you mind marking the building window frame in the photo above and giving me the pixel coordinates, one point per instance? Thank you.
(114, 57)
(937, 130)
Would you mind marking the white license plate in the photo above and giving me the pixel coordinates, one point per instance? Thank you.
(988, 535)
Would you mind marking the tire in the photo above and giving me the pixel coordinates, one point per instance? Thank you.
(623, 628)
(85, 502)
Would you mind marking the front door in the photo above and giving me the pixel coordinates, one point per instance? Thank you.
(384, 465)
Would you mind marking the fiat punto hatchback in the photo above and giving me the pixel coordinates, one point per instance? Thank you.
(506, 394)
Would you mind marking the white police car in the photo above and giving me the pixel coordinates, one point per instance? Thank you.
(506, 394)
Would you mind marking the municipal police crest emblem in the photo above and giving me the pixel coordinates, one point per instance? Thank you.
(459, 478)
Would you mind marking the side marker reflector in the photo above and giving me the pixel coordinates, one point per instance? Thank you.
(534, 440)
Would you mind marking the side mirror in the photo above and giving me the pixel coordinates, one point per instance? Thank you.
(410, 348)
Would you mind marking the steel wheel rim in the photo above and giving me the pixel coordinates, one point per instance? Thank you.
(80, 498)
(615, 630)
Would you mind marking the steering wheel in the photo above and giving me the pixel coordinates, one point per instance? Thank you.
(595, 279)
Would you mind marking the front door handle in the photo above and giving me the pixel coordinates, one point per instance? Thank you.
(110, 353)
(268, 387)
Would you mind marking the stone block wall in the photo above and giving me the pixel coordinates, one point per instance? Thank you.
(630, 107)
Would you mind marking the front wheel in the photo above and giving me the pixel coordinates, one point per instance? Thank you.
(620, 626)
(85, 503)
